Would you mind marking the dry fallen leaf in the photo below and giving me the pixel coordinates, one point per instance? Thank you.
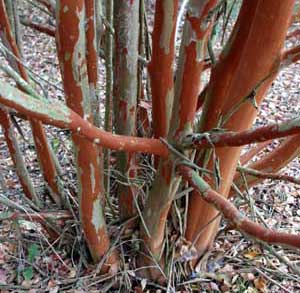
(252, 253)
(261, 284)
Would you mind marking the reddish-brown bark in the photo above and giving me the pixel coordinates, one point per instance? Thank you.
(161, 65)
(61, 116)
(92, 58)
(234, 139)
(91, 47)
(15, 155)
(45, 29)
(232, 214)
(72, 57)
(43, 149)
(251, 56)
(271, 162)
(249, 155)
(188, 77)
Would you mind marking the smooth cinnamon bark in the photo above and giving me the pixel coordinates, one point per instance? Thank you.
(161, 65)
(271, 162)
(250, 154)
(249, 61)
(72, 56)
(17, 158)
(45, 29)
(187, 86)
(44, 153)
(234, 216)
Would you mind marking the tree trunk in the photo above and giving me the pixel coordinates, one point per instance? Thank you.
(44, 152)
(248, 62)
(191, 62)
(126, 23)
(71, 40)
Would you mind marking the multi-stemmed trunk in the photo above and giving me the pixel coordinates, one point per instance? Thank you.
(239, 80)
(246, 69)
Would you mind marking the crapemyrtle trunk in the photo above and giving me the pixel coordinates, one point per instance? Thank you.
(126, 24)
(44, 152)
(249, 59)
(187, 86)
(161, 73)
(17, 157)
(71, 42)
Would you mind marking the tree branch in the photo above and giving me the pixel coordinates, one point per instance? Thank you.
(235, 139)
(232, 214)
(49, 4)
(61, 116)
(293, 34)
(266, 175)
(290, 56)
(249, 155)
(48, 30)
(272, 162)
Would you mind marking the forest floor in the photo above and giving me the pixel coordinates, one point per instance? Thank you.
(29, 262)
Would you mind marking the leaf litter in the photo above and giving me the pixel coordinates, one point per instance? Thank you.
(28, 261)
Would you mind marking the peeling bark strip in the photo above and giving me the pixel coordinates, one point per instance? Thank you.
(234, 216)
(44, 153)
(188, 77)
(250, 56)
(161, 65)
(193, 49)
(234, 139)
(61, 116)
(92, 58)
(126, 20)
(17, 158)
(70, 17)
